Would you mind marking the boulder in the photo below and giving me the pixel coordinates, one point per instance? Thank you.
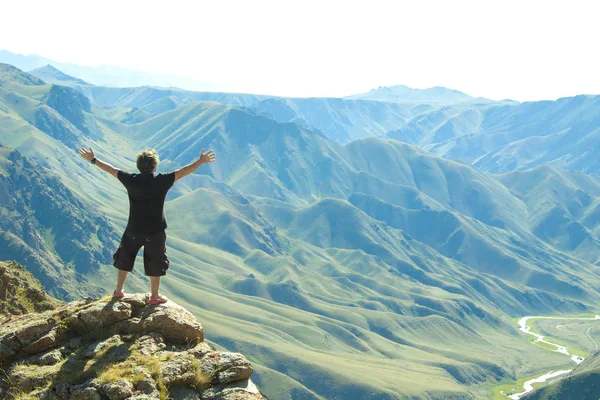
(178, 370)
(44, 343)
(95, 348)
(150, 344)
(119, 390)
(49, 358)
(88, 393)
(173, 322)
(225, 367)
(116, 350)
(240, 390)
(101, 314)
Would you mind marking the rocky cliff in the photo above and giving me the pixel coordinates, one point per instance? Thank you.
(44, 226)
(20, 292)
(125, 349)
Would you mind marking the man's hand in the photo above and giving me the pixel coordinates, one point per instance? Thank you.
(106, 167)
(188, 169)
(206, 158)
(87, 155)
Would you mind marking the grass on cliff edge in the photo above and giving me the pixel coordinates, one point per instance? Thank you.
(77, 369)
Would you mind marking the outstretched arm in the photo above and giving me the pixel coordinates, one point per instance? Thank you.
(89, 155)
(188, 169)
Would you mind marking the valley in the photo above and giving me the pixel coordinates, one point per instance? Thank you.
(343, 262)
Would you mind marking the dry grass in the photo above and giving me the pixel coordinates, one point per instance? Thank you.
(202, 381)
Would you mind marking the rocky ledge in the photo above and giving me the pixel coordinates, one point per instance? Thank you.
(106, 349)
(20, 292)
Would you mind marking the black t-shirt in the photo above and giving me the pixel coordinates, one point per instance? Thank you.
(147, 194)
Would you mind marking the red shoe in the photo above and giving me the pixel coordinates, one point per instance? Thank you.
(157, 300)
(118, 295)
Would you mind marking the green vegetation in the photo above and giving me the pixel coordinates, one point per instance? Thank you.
(570, 333)
(20, 292)
(367, 270)
(508, 387)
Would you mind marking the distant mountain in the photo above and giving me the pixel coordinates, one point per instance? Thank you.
(105, 74)
(342, 120)
(436, 94)
(512, 136)
(25, 63)
(50, 74)
(10, 75)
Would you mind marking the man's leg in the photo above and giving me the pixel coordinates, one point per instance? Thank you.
(154, 285)
(121, 276)
(124, 257)
(156, 263)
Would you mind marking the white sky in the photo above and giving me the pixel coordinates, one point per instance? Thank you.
(524, 50)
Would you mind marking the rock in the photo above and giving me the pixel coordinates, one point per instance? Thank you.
(44, 343)
(99, 314)
(131, 325)
(97, 347)
(28, 378)
(184, 393)
(93, 383)
(9, 346)
(146, 386)
(112, 349)
(49, 358)
(173, 322)
(150, 344)
(200, 350)
(48, 394)
(88, 393)
(61, 390)
(178, 370)
(125, 340)
(74, 343)
(136, 300)
(20, 292)
(34, 330)
(240, 390)
(21, 331)
(118, 390)
(225, 367)
(144, 396)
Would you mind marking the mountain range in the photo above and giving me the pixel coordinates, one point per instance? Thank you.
(343, 262)
(107, 75)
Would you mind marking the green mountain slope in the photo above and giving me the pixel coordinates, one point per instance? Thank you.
(51, 74)
(104, 74)
(367, 270)
(562, 208)
(496, 136)
(583, 383)
(511, 136)
(46, 227)
(20, 292)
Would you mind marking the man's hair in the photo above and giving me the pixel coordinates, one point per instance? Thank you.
(147, 160)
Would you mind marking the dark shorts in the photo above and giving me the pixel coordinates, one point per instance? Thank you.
(156, 262)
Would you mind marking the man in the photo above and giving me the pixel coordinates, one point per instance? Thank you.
(146, 224)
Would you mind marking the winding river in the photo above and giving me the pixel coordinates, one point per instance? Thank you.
(523, 327)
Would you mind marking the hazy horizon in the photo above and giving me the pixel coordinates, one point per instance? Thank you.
(509, 50)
